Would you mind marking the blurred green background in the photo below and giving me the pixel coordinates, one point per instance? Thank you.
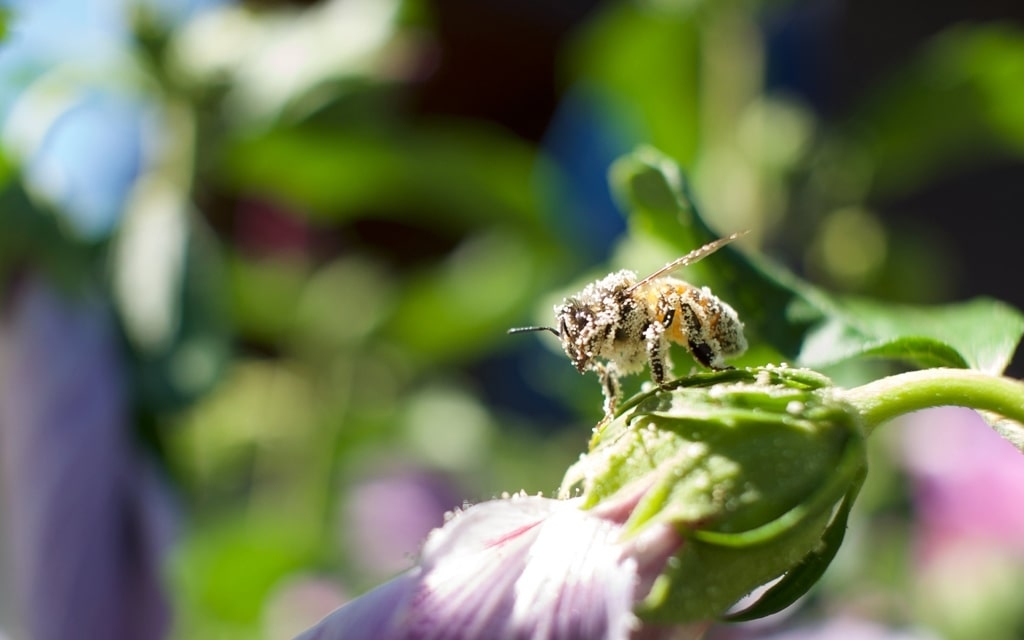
(316, 220)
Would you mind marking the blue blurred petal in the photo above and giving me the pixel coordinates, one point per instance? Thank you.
(82, 511)
(584, 138)
(84, 31)
(89, 160)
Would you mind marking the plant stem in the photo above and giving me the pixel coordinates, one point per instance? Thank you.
(885, 399)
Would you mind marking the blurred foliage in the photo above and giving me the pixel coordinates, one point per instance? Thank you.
(973, 72)
(314, 274)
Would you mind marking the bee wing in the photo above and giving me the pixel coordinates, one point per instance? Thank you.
(694, 256)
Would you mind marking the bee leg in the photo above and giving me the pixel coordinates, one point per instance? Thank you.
(610, 387)
(657, 353)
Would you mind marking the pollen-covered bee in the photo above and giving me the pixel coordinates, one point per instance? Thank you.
(628, 322)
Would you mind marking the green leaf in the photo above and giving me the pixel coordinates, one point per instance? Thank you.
(653, 188)
(32, 235)
(461, 176)
(770, 301)
(801, 322)
(264, 295)
(806, 574)
(979, 334)
(748, 465)
(706, 579)
(907, 127)
(645, 65)
(758, 432)
(224, 571)
(5, 22)
(469, 299)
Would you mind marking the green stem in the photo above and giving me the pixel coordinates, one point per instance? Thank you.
(885, 399)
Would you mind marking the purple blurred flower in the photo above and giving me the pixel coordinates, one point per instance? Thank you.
(298, 602)
(82, 510)
(522, 567)
(968, 481)
(266, 229)
(386, 519)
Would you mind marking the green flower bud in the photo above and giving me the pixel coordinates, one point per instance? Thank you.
(755, 468)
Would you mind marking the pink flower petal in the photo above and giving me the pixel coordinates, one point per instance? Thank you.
(524, 567)
(968, 480)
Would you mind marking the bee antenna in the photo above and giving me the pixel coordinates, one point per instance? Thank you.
(526, 329)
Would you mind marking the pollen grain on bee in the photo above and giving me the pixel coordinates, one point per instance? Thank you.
(618, 324)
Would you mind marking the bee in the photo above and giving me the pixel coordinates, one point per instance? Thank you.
(616, 325)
